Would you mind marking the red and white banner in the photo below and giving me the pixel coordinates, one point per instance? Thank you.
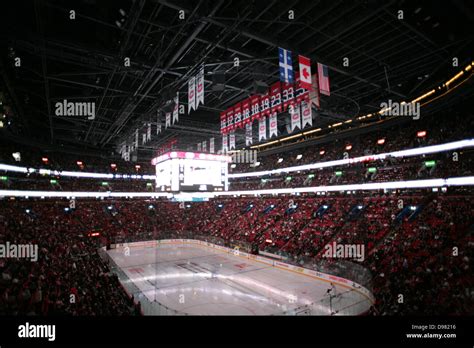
(265, 105)
(224, 143)
(248, 134)
(246, 111)
(273, 123)
(176, 109)
(323, 76)
(275, 98)
(305, 72)
(262, 129)
(306, 113)
(288, 95)
(230, 119)
(300, 92)
(211, 145)
(295, 114)
(191, 94)
(238, 116)
(232, 140)
(200, 87)
(223, 122)
(255, 107)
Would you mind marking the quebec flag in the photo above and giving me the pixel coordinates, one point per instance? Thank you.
(286, 65)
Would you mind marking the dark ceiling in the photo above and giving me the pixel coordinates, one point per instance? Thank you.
(82, 59)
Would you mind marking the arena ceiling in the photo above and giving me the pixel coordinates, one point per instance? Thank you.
(82, 59)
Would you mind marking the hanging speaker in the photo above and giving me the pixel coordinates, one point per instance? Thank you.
(218, 81)
(260, 87)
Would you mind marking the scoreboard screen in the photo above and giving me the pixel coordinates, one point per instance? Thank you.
(190, 171)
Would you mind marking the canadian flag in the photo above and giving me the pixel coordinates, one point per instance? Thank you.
(305, 72)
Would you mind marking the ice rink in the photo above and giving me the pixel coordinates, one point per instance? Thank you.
(200, 280)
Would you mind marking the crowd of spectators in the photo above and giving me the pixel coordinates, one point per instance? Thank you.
(410, 254)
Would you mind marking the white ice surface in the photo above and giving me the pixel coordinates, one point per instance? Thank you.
(199, 280)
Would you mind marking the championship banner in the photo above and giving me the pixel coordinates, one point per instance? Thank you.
(211, 145)
(238, 116)
(200, 87)
(287, 93)
(273, 124)
(306, 113)
(158, 125)
(148, 132)
(136, 138)
(176, 108)
(199, 147)
(224, 143)
(204, 146)
(232, 140)
(275, 98)
(143, 138)
(295, 115)
(246, 111)
(255, 106)
(265, 105)
(248, 134)
(168, 119)
(262, 129)
(191, 94)
(223, 122)
(230, 119)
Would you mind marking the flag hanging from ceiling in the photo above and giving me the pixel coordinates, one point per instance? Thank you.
(255, 107)
(230, 119)
(136, 138)
(232, 140)
(248, 134)
(148, 132)
(323, 76)
(286, 65)
(223, 122)
(211, 145)
(200, 87)
(265, 104)
(238, 115)
(224, 143)
(300, 92)
(246, 111)
(262, 129)
(314, 92)
(273, 124)
(199, 147)
(204, 146)
(306, 113)
(143, 138)
(295, 114)
(191, 94)
(275, 98)
(158, 125)
(176, 108)
(305, 72)
(168, 119)
(288, 95)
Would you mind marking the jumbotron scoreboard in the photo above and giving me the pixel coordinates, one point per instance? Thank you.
(180, 171)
